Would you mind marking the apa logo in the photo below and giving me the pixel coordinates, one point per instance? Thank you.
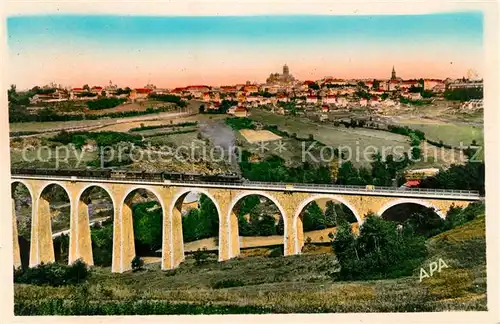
(433, 266)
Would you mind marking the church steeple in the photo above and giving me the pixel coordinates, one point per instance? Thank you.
(393, 76)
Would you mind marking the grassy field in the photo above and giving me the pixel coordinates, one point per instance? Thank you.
(125, 127)
(48, 158)
(106, 123)
(359, 141)
(292, 151)
(302, 284)
(355, 139)
(42, 126)
(37, 126)
(449, 133)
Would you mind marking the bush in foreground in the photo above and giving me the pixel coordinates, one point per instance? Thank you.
(201, 256)
(227, 283)
(53, 274)
(381, 251)
(137, 264)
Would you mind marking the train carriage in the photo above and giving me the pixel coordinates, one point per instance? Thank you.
(110, 173)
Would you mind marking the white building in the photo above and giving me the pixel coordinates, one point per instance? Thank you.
(329, 100)
(312, 99)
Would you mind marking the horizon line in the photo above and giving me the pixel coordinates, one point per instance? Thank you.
(252, 82)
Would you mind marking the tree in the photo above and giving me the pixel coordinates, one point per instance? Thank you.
(11, 93)
(313, 86)
(414, 89)
(189, 225)
(334, 168)
(376, 84)
(380, 174)
(147, 225)
(225, 105)
(313, 218)
(209, 214)
(280, 228)
(344, 245)
(463, 94)
(380, 250)
(330, 214)
(267, 225)
(245, 229)
(86, 87)
(365, 176)
(416, 153)
(470, 176)
(248, 203)
(102, 244)
(346, 173)
(425, 222)
(427, 94)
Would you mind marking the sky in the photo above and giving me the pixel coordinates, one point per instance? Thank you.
(220, 50)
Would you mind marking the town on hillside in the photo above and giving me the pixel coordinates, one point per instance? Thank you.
(324, 95)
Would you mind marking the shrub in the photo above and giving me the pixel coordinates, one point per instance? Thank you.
(380, 250)
(238, 123)
(276, 252)
(78, 270)
(53, 274)
(170, 133)
(137, 263)
(169, 98)
(102, 244)
(104, 103)
(227, 283)
(107, 138)
(457, 216)
(201, 256)
(425, 222)
(150, 127)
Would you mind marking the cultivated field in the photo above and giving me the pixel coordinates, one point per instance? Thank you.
(50, 157)
(46, 126)
(449, 133)
(358, 143)
(141, 106)
(258, 136)
(291, 149)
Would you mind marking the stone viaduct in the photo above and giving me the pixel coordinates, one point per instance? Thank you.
(290, 200)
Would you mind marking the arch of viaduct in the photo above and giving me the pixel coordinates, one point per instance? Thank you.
(290, 204)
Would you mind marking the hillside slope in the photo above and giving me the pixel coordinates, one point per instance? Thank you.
(260, 284)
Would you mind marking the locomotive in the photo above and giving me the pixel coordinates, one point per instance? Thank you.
(109, 173)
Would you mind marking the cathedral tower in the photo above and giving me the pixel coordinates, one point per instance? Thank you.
(286, 71)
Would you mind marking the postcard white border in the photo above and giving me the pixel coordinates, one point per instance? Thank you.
(273, 7)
